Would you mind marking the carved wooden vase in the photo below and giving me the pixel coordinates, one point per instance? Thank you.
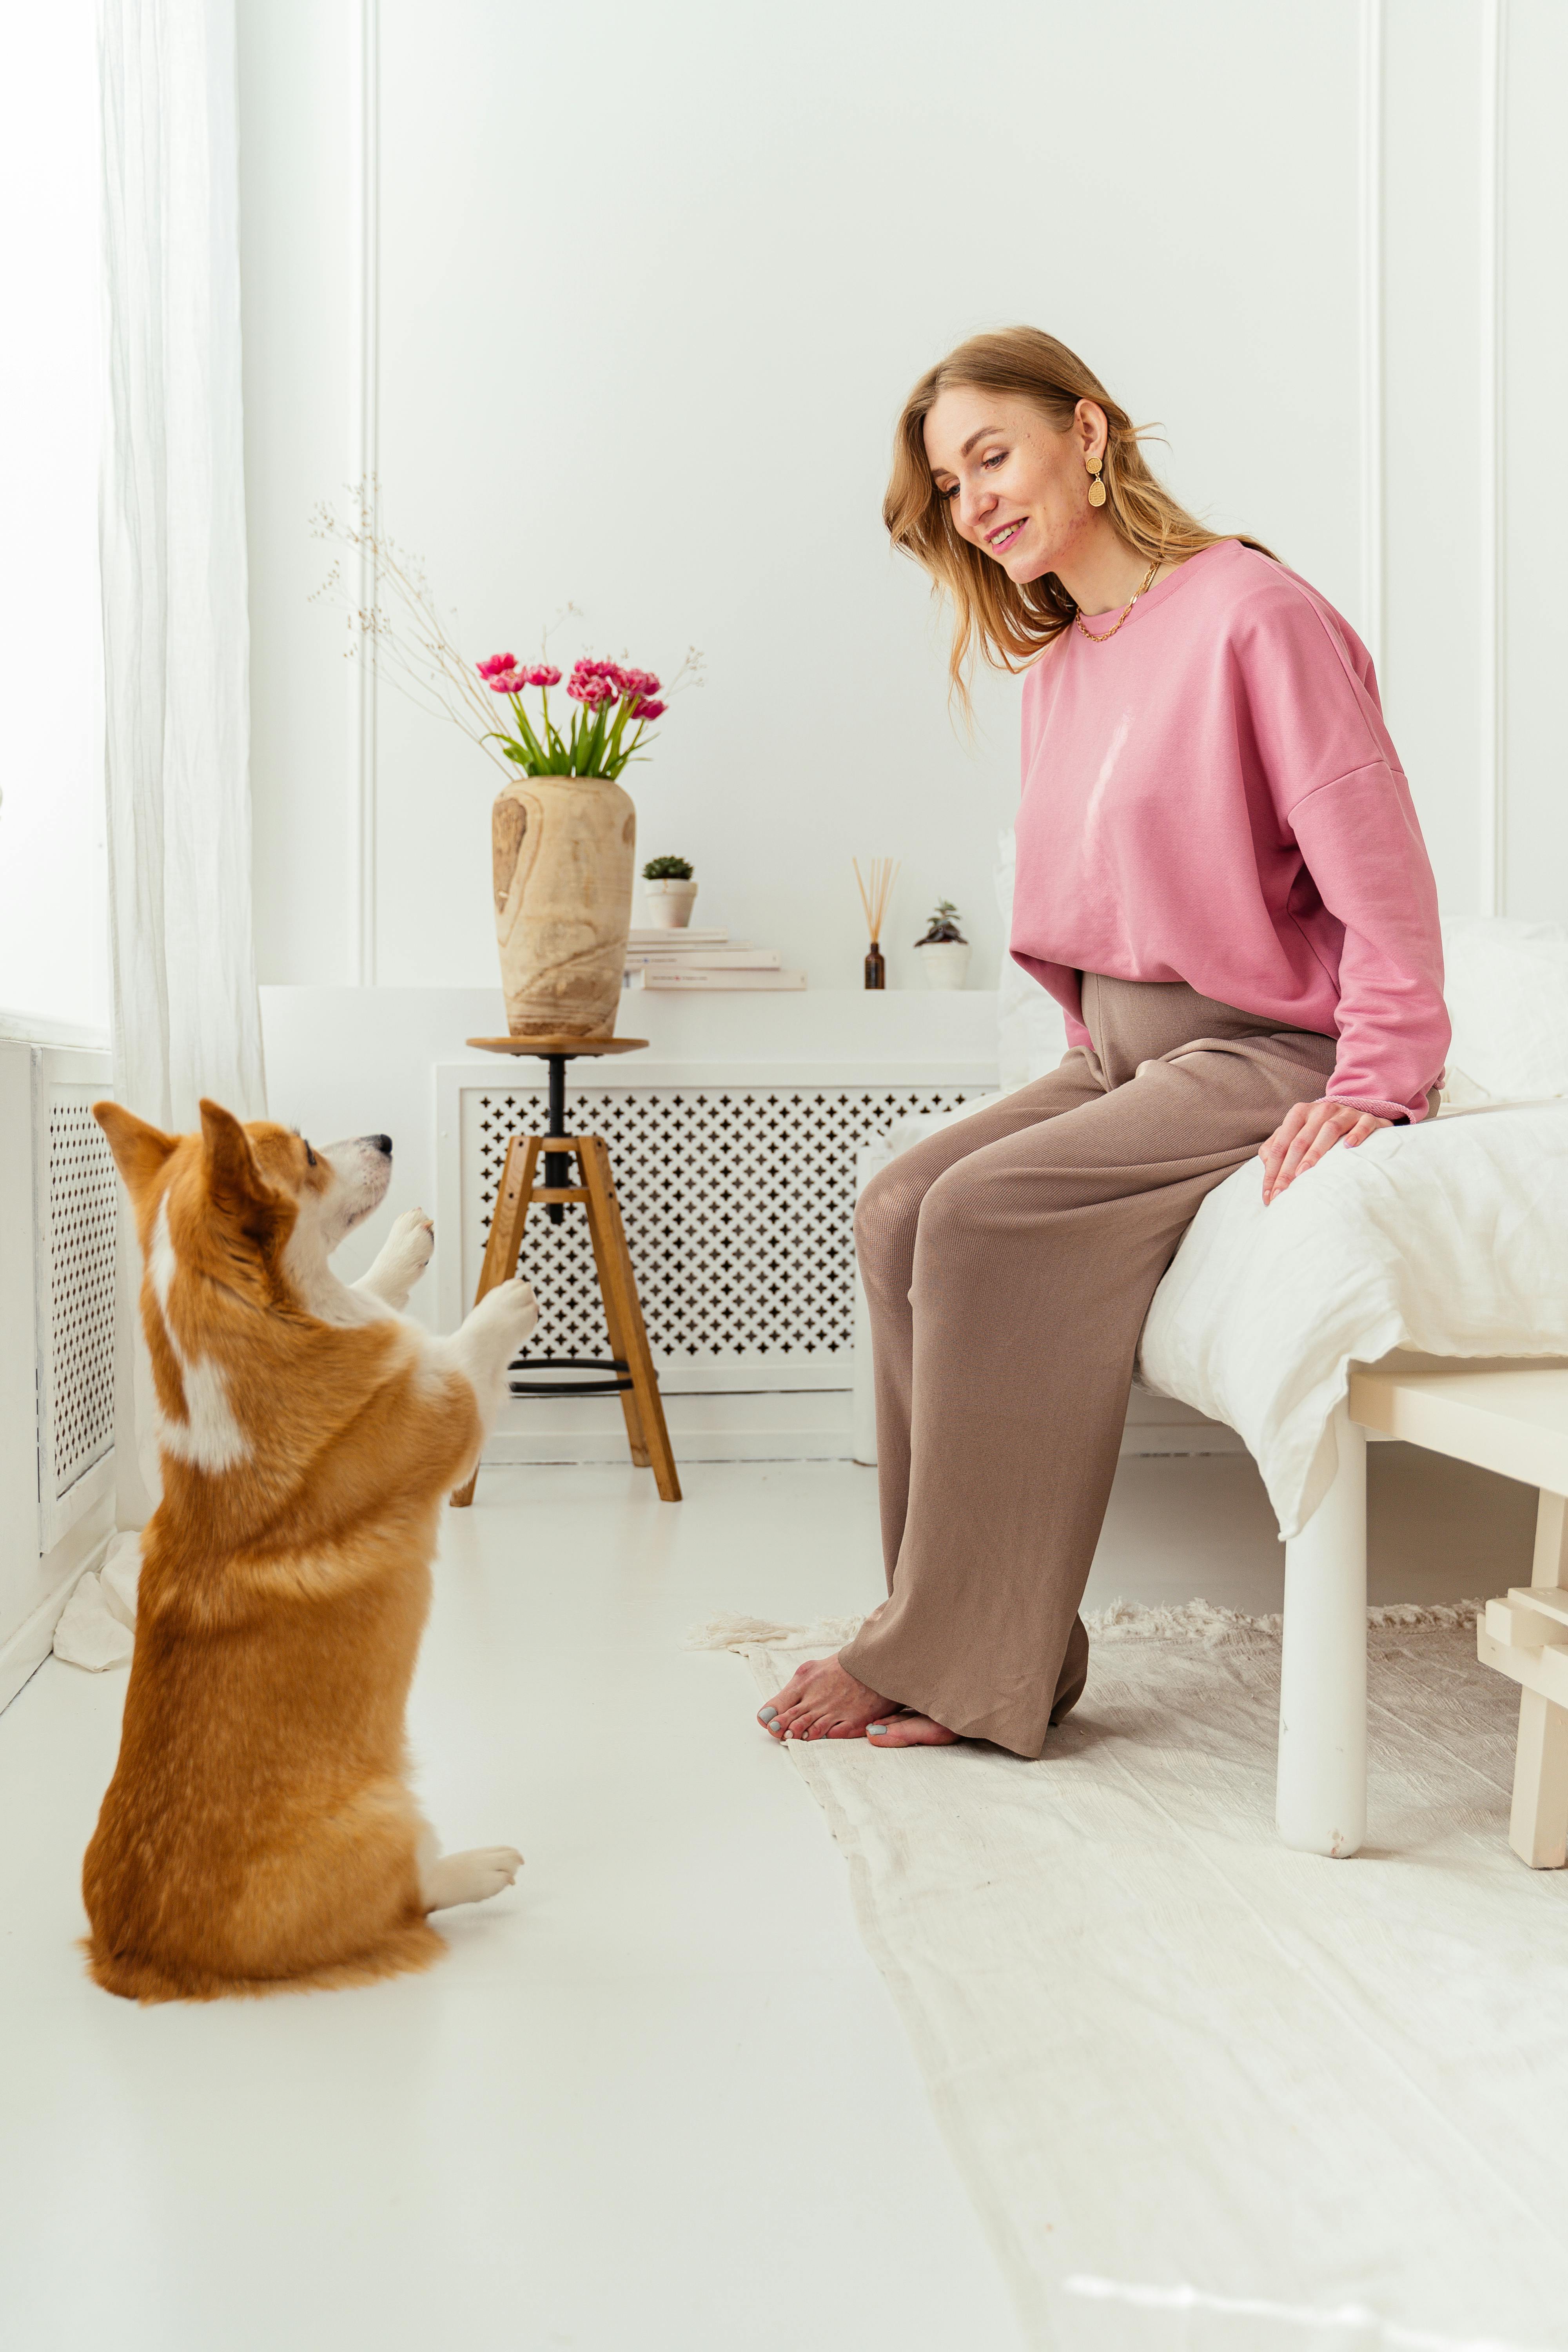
(564, 851)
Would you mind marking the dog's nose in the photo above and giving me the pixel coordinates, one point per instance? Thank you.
(382, 1143)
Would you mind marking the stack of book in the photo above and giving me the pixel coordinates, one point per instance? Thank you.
(697, 960)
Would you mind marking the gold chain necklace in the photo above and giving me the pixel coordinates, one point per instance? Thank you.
(1104, 634)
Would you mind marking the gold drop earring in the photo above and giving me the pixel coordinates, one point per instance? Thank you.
(1096, 486)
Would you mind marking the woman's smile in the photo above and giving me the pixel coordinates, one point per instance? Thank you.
(1005, 534)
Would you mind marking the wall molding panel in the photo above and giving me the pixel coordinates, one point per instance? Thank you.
(1493, 345)
(1374, 525)
(1365, 366)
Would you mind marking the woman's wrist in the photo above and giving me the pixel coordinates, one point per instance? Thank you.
(1373, 1108)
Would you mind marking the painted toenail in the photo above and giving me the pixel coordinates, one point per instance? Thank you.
(767, 1714)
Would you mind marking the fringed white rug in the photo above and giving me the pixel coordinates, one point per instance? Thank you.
(1208, 2093)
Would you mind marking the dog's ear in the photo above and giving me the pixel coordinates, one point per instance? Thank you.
(140, 1150)
(234, 1184)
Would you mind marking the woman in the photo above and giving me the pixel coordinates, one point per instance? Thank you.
(1221, 879)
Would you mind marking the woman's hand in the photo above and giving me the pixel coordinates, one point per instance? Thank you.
(1304, 1134)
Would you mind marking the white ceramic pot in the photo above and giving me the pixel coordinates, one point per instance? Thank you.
(670, 904)
(565, 852)
(946, 962)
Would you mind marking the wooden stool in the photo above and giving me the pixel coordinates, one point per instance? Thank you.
(633, 1377)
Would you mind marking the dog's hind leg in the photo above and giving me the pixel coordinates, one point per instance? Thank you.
(448, 1879)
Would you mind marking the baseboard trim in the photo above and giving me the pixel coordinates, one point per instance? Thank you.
(757, 1425)
(775, 1446)
(777, 1425)
(24, 1651)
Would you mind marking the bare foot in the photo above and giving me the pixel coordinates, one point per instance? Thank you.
(822, 1700)
(908, 1729)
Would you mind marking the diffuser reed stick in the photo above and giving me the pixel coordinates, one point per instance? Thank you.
(874, 897)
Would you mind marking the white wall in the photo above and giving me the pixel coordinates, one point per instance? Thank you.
(648, 287)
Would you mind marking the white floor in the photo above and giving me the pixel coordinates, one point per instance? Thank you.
(657, 2095)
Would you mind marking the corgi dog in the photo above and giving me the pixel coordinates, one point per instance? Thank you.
(258, 1834)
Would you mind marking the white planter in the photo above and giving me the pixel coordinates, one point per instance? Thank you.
(670, 904)
(945, 962)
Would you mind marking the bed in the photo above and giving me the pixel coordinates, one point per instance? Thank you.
(1449, 1240)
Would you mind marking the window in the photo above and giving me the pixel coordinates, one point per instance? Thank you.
(54, 946)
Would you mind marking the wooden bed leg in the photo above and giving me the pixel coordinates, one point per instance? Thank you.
(1321, 1793)
(1537, 1822)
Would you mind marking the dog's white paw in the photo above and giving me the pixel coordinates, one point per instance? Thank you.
(472, 1877)
(515, 1307)
(411, 1240)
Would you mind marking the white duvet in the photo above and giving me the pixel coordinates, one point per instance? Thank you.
(1450, 1237)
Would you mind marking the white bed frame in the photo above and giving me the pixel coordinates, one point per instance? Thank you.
(1319, 1800)
(1503, 1415)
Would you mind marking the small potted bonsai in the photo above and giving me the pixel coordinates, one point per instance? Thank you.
(670, 892)
(945, 950)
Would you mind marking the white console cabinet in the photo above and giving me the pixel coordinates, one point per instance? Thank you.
(734, 1141)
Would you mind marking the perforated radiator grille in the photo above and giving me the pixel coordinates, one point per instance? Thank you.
(80, 1306)
(738, 1203)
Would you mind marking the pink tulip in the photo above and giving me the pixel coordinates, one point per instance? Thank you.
(495, 664)
(590, 690)
(643, 712)
(507, 681)
(639, 681)
(542, 674)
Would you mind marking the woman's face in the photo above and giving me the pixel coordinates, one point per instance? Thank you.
(1018, 489)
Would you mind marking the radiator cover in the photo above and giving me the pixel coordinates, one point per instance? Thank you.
(738, 1200)
(74, 1221)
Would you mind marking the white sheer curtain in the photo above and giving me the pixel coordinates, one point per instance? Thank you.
(171, 535)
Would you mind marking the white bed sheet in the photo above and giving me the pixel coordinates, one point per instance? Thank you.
(1450, 1238)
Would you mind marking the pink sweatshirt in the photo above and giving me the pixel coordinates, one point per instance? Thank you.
(1211, 796)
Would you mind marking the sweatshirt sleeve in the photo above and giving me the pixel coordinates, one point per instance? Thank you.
(1363, 851)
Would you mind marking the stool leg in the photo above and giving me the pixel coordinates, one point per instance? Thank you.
(609, 1295)
(503, 1243)
(615, 1263)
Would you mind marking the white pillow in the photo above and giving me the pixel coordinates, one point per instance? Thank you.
(1507, 990)
(1031, 1028)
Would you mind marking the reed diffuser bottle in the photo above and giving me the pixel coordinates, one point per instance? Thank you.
(874, 897)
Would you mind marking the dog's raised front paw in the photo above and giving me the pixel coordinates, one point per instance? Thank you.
(514, 1306)
(413, 1237)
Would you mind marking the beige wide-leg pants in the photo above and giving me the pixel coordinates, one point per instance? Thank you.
(1009, 1263)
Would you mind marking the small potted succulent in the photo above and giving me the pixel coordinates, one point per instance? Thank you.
(945, 950)
(670, 892)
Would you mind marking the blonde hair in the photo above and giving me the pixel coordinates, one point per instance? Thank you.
(1008, 622)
